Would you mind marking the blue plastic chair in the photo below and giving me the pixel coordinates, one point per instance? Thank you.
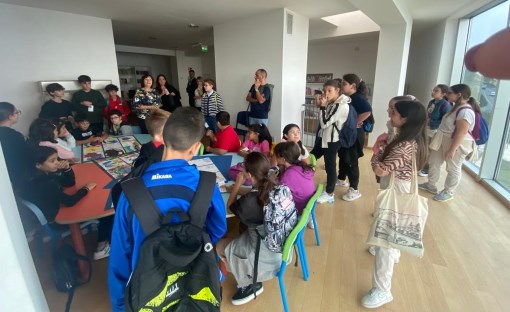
(313, 203)
(296, 238)
(54, 235)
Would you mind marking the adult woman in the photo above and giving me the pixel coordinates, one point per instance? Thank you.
(355, 88)
(16, 151)
(146, 99)
(452, 143)
(170, 96)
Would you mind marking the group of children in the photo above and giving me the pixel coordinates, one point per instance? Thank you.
(446, 122)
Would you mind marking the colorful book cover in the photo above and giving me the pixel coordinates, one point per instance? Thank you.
(115, 167)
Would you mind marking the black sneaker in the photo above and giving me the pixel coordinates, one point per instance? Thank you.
(246, 294)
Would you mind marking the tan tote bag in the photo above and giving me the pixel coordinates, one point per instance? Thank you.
(400, 218)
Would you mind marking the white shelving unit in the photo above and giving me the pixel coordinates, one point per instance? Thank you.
(131, 76)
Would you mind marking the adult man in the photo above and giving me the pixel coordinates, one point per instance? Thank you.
(191, 87)
(173, 183)
(226, 139)
(89, 102)
(259, 97)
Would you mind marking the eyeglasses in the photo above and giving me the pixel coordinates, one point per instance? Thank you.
(17, 112)
(295, 132)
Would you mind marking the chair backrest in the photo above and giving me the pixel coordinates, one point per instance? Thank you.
(36, 210)
(303, 220)
(242, 119)
(313, 161)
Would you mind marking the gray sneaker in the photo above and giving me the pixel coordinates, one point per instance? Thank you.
(445, 195)
(427, 187)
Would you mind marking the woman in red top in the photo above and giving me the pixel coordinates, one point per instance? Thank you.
(115, 102)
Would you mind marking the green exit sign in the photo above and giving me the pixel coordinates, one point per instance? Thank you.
(205, 48)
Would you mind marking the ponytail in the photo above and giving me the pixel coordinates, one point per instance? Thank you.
(258, 166)
(474, 104)
(361, 87)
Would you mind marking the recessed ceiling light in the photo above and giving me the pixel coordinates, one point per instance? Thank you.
(191, 25)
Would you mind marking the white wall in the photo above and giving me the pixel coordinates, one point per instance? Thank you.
(295, 54)
(158, 64)
(183, 63)
(48, 45)
(343, 56)
(20, 289)
(425, 50)
(208, 65)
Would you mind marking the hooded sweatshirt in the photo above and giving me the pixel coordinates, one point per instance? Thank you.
(300, 183)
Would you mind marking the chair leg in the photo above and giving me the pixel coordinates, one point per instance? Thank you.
(282, 288)
(316, 228)
(302, 256)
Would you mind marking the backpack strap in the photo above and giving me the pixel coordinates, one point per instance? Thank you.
(143, 204)
(202, 199)
(457, 115)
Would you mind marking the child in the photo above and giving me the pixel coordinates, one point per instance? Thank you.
(181, 135)
(153, 150)
(291, 132)
(89, 102)
(16, 151)
(258, 139)
(453, 143)
(64, 138)
(334, 110)
(409, 117)
(437, 109)
(118, 127)
(46, 190)
(238, 253)
(44, 133)
(56, 107)
(115, 103)
(355, 88)
(297, 175)
(199, 92)
(226, 139)
(85, 133)
(211, 104)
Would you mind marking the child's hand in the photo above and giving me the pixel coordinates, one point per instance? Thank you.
(229, 187)
(380, 172)
(63, 164)
(209, 133)
(90, 186)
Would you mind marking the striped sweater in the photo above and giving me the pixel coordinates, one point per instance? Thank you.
(399, 160)
(212, 104)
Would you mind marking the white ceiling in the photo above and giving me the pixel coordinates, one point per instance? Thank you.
(163, 23)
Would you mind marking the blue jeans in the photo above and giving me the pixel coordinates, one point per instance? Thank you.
(257, 121)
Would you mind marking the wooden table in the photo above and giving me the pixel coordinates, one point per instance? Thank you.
(90, 207)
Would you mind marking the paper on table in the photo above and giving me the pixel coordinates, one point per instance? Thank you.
(206, 164)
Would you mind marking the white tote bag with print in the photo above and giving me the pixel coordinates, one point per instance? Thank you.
(400, 218)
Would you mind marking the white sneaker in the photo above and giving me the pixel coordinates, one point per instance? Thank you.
(351, 195)
(325, 198)
(103, 253)
(342, 183)
(423, 173)
(376, 298)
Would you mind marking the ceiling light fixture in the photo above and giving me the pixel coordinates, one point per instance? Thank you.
(191, 25)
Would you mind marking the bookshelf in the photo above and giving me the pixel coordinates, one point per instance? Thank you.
(131, 76)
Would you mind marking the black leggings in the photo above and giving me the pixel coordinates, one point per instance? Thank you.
(350, 170)
(329, 161)
(104, 230)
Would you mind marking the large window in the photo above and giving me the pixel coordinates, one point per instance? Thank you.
(503, 168)
(484, 89)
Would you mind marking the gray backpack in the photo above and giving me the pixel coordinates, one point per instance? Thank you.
(280, 217)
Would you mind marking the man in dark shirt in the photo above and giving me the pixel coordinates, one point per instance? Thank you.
(56, 107)
(259, 97)
(191, 87)
(89, 102)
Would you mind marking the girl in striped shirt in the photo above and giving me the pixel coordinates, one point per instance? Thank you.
(409, 117)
